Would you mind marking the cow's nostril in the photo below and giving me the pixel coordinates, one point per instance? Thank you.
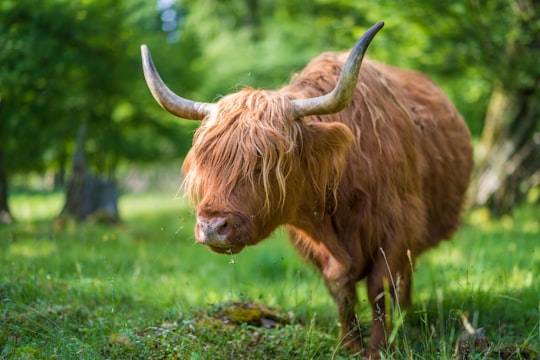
(222, 228)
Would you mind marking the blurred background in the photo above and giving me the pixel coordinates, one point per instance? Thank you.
(74, 105)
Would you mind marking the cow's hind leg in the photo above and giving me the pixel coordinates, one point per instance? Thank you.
(405, 288)
(389, 276)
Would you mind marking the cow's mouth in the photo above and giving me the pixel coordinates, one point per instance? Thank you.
(229, 249)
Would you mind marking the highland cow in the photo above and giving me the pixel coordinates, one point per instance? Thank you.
(366, 168)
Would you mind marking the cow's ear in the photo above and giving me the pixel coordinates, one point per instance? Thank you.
(330, 138)
(326, 157)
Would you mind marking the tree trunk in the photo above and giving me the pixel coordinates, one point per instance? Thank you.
(5, 214)
(87, 197)
(509, 154)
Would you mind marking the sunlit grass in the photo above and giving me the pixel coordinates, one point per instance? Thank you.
(135, 290)
(37, 206)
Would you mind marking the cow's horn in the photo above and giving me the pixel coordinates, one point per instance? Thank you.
(342, 94)
(171, 102)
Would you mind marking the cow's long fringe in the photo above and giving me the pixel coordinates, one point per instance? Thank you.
(255, 147)
(260, 147)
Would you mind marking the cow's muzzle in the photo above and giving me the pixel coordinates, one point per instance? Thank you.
(224, 233)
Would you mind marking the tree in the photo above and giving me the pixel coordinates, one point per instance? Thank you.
(88, 196)
(67, 63)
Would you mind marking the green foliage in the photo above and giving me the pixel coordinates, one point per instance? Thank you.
(260, 43)
(66, 62)
(145, 290)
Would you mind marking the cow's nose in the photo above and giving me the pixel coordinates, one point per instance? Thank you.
(215, 230)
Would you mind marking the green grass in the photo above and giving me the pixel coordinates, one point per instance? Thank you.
(144, 289)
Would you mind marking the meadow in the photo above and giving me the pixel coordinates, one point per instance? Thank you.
(144, 290)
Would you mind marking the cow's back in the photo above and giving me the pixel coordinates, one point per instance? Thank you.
(444, 159)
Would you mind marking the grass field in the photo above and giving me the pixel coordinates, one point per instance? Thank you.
(145, 290)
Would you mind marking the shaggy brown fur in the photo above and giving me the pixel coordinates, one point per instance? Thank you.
(359, 191)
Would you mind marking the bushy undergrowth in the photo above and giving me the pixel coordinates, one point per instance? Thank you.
(144, 290)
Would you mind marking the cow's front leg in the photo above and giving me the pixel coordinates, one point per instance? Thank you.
(344, 293)
(341, 284)
(340, 278)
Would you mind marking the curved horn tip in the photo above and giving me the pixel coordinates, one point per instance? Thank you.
(371, 32)
(378, 26)
(342, 94)
(145, 51)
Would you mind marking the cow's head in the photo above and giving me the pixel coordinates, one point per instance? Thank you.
(256, 158)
